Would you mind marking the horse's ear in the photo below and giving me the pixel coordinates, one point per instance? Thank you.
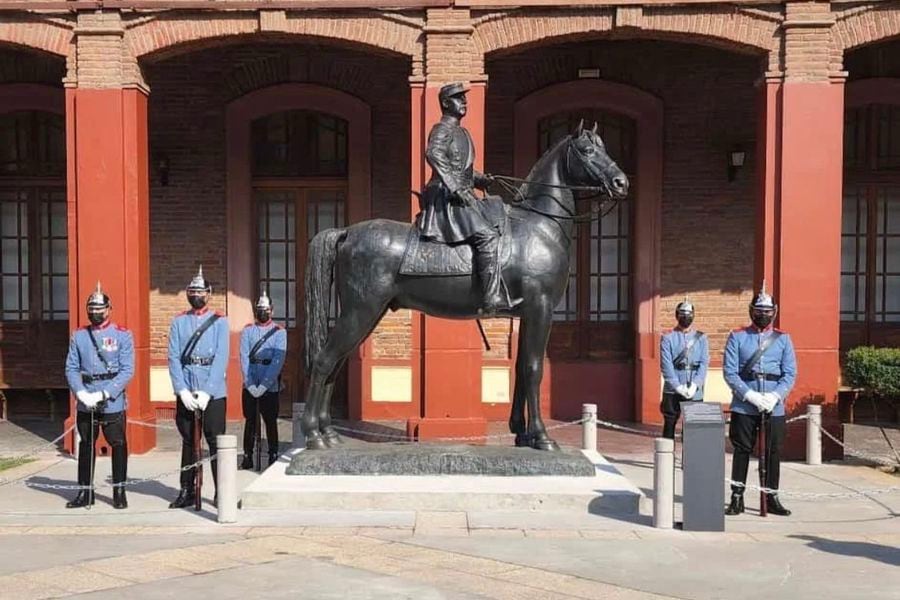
(594, 130)
(579, 129)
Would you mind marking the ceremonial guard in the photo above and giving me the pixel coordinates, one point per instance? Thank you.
(760, 368)
(198, 357)
(99, 366)
(684, 359)
(263, 348)
(451, 212)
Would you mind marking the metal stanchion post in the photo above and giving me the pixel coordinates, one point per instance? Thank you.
(663, 483)
(589, 427)
(814, 434)
(226, 468)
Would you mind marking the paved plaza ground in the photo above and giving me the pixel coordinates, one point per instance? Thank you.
(837, 544)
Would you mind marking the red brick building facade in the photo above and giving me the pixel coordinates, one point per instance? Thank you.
(141, 138)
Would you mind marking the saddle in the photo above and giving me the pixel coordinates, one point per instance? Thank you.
(428, 258)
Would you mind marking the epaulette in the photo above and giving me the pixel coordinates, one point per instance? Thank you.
(249, 325)
(738, 329)
(219, 313)
(121, 328)
(668, 331)
(182, 313)
(778, 330)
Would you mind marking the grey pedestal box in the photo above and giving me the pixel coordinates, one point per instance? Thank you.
(703, 449)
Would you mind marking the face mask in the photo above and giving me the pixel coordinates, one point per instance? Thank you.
(685, 320)
(197, 302)
(761, 319)
(263, 315)
(96, 318)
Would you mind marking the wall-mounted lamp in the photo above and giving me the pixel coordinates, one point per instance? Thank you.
(162, 169)
(735, 161)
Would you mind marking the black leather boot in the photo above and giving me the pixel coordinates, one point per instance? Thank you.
(83, 498)
(247, 463)
(273, 458)
(185, 499)
(774, 506)
(486, 247)
(119, 499)
(736, 506)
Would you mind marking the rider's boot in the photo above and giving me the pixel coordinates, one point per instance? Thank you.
(486, 246)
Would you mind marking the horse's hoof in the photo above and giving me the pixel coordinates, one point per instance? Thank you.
(316, 442)
(332, 438)
(523, 441)
(544, 443)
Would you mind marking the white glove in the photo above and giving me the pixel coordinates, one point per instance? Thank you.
(188, 400)
(91, 399)
(692, 390)
(756, 399)
(771, 399)
(202, 399)
(257, 390)
(83, 396)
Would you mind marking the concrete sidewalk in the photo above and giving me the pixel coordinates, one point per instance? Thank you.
(847, 547)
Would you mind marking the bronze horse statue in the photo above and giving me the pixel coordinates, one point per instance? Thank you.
(364, 261)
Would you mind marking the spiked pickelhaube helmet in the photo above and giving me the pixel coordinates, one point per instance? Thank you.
(685, 307)
(263, 302)
(199, 283)
(98, 299)
(762, 300)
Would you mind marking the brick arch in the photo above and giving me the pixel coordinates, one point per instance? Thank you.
(861, 27)
(168, 33)
(29, 33)
(729, 29)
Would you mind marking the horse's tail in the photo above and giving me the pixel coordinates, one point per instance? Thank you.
(319, 277)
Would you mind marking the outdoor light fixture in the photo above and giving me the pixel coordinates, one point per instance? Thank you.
(735, 162)
(162, 169)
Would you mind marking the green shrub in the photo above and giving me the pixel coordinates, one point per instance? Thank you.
(877, 370)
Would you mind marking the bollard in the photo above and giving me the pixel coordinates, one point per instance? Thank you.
(298, 440)
(589, 427)
(226, 488)
(663, 483)
(814, 434)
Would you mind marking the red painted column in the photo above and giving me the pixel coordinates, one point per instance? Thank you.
(109, 234)
(449, 352)
(799, 235)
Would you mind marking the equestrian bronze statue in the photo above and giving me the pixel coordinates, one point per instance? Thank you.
(380, 264)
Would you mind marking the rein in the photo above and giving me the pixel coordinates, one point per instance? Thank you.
(521, 200)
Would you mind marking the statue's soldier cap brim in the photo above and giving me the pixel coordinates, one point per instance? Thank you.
(452, 89)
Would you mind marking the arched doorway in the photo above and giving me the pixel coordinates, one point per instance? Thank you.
(298, 162)
(870, 231)
(604, 329)
(299, 170)
(594, 320)
(34, 284)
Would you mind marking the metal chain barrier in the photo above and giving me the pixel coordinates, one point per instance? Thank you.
(41, 447)
(816, 495)
(854, 452)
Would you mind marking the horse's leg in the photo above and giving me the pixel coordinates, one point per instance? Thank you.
(533, 335)
(329, 433)
(517, 423)
(358, 319)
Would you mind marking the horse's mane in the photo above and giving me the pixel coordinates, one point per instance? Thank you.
(544, 159)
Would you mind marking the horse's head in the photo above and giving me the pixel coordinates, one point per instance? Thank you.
(588, 163)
